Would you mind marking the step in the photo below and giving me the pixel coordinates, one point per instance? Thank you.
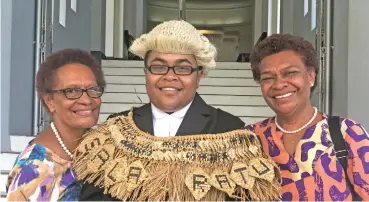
(216, 73)
(122, 63)
(210, 99)
(18, 143)
(206, 81)
(3, 182)
(7, 161)
(203, 90)
(3, 197)
(251, 111)
(140, 64)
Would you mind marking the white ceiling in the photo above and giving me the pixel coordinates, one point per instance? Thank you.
(214, 13)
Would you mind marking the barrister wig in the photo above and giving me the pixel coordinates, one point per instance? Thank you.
(177, 37)
(130, 164)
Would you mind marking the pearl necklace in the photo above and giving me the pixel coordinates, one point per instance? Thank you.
(299, 129)
(66, 150)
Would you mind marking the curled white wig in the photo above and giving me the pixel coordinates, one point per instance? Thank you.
(177, 37)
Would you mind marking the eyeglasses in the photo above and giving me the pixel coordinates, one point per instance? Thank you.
(76, 93)
(178, 70)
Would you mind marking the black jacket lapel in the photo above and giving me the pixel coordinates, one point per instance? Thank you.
(197, 119)
(143, 118)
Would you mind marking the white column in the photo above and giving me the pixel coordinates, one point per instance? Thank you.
(313, 14)
(5, 58)
(114, 28)
(119, 29)
(141, 17)
(274, 12)
(73, 5)
(258, 20)
(63, 12)
(182, 9)
(109, 28)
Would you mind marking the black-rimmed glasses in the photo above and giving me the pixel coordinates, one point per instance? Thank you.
(179, 70)
(76, 93)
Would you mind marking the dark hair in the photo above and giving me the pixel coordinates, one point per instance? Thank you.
(283, 42)
(147, 57)
(45, 75)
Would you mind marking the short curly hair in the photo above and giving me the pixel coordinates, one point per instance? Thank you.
(283, 42)
(45, 75)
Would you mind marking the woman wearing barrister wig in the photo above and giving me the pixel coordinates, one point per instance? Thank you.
(177, 147)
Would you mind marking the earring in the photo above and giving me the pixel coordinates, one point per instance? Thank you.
(311, 84)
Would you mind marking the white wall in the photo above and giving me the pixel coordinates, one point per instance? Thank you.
(245, 37)
(340, 58)
(301, 23)
(123, 15)
(229, 48)
(358, 64)
(77, 32)
(98, 11)
(287, 16)
(5, 59)
(294, 21)
(350, 60)
(135, 17)
(22, 67)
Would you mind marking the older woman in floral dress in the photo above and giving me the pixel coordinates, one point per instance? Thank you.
(70, 83)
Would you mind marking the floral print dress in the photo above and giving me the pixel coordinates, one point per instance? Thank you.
(41, 175)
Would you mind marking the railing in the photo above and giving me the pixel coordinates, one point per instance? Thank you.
(128, 40)
(263, 36)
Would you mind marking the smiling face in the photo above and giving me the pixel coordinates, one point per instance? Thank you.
(171, 92)
(81, 113)
(285, 82)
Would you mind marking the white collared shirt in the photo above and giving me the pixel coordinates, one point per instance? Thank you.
(166, 125)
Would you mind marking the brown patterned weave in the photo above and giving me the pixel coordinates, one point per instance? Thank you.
(132, 165)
